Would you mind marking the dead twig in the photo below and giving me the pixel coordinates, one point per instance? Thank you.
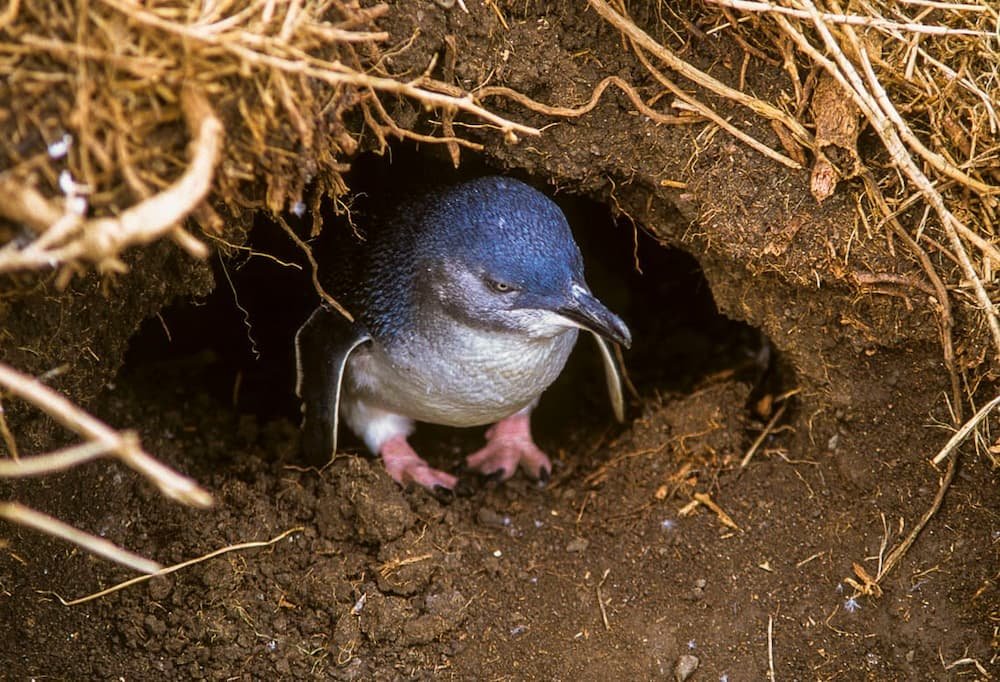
(595, 98)
(708, 113)
(314, 270)
(963, 432)
(871, 585)
(177, 567)
(706, 500)
(946, 321)
(850, 19)
(393, 565)
(968, 661)
(60, 460)
(25, 516)
(896, 554)
(332, 73)
(600, 600)
(5, 434)
(675, 63)
(763, 435)
(770, 649)
(123, 445)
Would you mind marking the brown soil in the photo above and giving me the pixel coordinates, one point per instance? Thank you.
(505, 583)
(598, 575)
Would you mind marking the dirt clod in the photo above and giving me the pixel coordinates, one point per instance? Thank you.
(379, 510)
(686, 667)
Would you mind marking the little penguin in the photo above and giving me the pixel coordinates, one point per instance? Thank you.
(468, 301)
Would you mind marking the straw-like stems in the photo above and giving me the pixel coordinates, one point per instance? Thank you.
(853, 19)
(264, 52)
(675, 63)
(595, 97)
(177, 567)
(101, 441)
(888, 124)
(65, 237)
(963, 433)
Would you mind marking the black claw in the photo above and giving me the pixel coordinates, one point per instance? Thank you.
(496, 478)
(442, 493)
(544, 475)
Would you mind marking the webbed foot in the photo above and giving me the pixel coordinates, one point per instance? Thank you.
(508, 446)
(406, 466)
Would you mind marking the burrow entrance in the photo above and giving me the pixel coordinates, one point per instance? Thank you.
(236, 344)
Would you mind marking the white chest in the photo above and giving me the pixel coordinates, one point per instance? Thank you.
(465, 379)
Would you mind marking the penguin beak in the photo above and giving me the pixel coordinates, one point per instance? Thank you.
(586, 312)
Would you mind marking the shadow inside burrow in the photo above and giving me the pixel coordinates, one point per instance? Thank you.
(237, 347)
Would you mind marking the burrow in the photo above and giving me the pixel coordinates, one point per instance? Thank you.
(235, 344)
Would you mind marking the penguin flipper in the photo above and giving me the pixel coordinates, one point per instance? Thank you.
(323, 345)
(613, 376)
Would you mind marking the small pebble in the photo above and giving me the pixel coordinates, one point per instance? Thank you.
(578, 545)
(488, 517)
(686, 665)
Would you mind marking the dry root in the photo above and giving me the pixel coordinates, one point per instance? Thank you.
(65, 237)
(941, 60)
(127, 117)
(100, 441)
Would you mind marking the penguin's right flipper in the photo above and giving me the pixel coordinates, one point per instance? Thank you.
(613, 377)
(323, 345)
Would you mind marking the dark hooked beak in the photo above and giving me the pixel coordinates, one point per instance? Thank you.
(585, 310)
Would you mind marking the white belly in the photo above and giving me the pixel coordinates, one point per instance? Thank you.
(468, 380)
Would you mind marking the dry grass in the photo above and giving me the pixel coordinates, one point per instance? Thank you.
(106, 92)
(925, 77)
(111, 92)
(133, 119)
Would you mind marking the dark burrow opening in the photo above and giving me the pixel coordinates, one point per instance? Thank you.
(236, 345)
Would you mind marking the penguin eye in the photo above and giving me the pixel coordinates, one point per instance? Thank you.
(499, 287)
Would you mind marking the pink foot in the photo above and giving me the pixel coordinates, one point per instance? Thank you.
(405, 466)
(509, 445)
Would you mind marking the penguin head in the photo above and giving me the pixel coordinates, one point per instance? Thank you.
(496, 254)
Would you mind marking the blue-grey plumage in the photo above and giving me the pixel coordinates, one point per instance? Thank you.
(469, 301)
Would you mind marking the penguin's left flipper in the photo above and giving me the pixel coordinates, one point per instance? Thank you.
(613, 376)
(323, 345)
